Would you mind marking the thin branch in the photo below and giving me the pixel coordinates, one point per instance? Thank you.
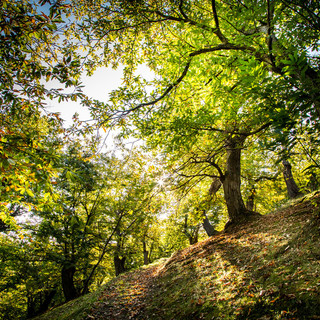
(104, 250)
(269, 24)
(308, 153)
(314, 17)
(124, 113)
(265, 126)
(186, 20)
(119, 114)
(273, 178)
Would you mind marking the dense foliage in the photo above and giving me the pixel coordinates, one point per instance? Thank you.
(228, 123)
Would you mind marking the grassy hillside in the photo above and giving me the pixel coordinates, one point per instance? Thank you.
(266, 269)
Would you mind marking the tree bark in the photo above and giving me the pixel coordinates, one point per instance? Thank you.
(119, 264)
(292, 187)
(237, 210)
(250, 200)
(145, 254)
(67, 278)
(31, 307)
(193, 239)
(44, 306)
(191, 235)
(207, 226)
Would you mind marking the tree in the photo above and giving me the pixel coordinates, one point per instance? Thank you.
(29, 282)
(292, 187)
(32, 53)
(206, 56)
(138, 200)
(70, 219)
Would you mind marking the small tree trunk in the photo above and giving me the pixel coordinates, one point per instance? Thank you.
(207, 226)
(31, 308)
(313, 183)
(49, 295)
(250, 200)
(193, 239)
(67, 274)
(145, 254)
(119, 264)
(292, 188)
(237, 211)
(192, 235)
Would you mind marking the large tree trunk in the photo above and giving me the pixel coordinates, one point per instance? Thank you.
(67, 274)
(237, 210)
(292, 188)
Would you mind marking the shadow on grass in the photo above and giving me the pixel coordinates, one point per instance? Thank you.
(266, 269)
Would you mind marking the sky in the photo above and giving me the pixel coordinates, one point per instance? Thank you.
(97, 86)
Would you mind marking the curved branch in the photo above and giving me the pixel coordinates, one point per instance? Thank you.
(184, 19)
(167, 91)
(182, 11)
(120, 114)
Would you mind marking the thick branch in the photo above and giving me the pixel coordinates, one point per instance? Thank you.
(218, 32)
(119, 114)
(271, 178)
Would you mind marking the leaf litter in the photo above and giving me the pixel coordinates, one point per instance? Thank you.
(266, 269)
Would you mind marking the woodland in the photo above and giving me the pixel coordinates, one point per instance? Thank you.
(224, 132)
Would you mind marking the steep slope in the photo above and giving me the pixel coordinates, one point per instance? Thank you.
(266, 269)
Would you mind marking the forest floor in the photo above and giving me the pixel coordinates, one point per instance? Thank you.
(266, 269)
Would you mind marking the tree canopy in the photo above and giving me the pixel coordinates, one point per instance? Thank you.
(224, 71)
(227, 119)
